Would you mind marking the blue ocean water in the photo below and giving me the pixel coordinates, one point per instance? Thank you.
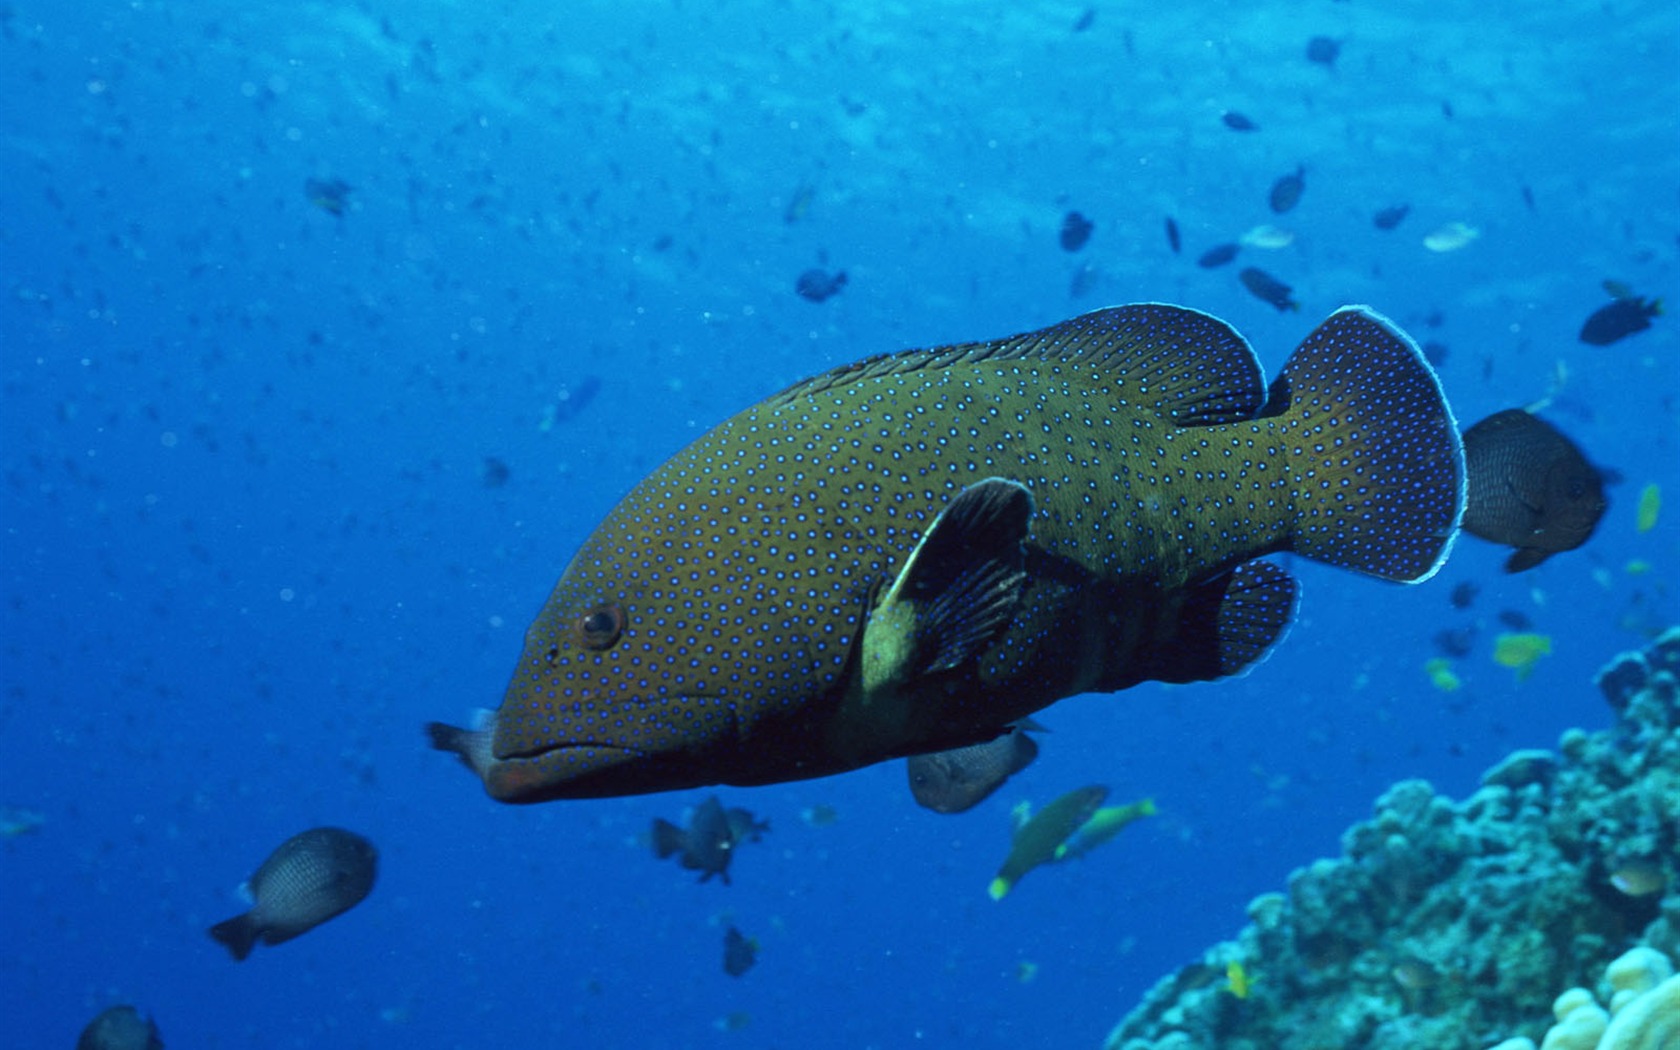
(250, 548)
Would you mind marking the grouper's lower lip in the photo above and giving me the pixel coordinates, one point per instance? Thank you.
(569, 770)
(613, 752)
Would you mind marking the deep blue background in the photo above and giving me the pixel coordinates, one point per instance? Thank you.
(248, 551)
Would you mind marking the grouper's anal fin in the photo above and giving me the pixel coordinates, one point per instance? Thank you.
(958, 589)
(1227, 624)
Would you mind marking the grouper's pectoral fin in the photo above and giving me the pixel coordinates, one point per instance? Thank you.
(1227, 625)
(958, 589)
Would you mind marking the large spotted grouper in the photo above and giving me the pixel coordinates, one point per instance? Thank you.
(910, 553)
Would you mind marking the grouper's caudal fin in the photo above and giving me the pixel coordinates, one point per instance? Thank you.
(1373, 450)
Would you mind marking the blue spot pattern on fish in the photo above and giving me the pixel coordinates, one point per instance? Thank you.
(909, 553)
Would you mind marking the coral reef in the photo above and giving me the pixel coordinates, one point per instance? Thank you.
(1455, 926)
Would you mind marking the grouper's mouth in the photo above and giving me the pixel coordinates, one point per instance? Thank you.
(586, 769)
(592, 746)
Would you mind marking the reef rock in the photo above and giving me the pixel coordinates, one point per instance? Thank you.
(1456, 925)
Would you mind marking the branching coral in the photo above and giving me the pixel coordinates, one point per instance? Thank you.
(1452, 925)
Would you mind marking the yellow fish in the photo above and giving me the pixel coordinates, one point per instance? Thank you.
(1039, 838)
(1441, 675)
(1237, 980)
(1103, 826)
(911, 553)
(1521, 652)
(1650, 506)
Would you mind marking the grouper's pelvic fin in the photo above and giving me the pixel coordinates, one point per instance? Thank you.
(957, 590)
(1373, 450)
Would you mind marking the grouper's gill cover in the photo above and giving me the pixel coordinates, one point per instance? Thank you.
(910, 553)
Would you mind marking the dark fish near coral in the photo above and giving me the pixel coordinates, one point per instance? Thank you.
(1390, 217)
(330, 195)
(1464, 594)
(1417, 979)
(1324, 50)
(1530, 488)
(708, 844)
(1515, 619)
(1173, 239)
(120, 1028)
(1265, 287)
(1620, 319)
(740, 952)
(961, 778)
(1218, 255)
(910, 553)
(1640, 876)
(1286, 191)
(314, 876)
(1076, 230)
(816, 284)
(1237, 122)
(1037, 840)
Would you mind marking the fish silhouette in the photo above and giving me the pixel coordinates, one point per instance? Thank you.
(1218, 255)
(1039, 837)
(1531, 488)
(817, 285)
(740, 952)
(120, 1028)
(1324, 50)
(314, 876)
(958, 780)
(708, 844)
(1286, 191)
(1392, 216)
(910, 553)
(1076, 230)
(1265, 287)
(1619, 319)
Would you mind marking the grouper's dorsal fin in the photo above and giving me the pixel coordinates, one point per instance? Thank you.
(958, 589)
(1192, 367)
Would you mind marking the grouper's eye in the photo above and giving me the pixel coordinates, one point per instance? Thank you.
(600, 627)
